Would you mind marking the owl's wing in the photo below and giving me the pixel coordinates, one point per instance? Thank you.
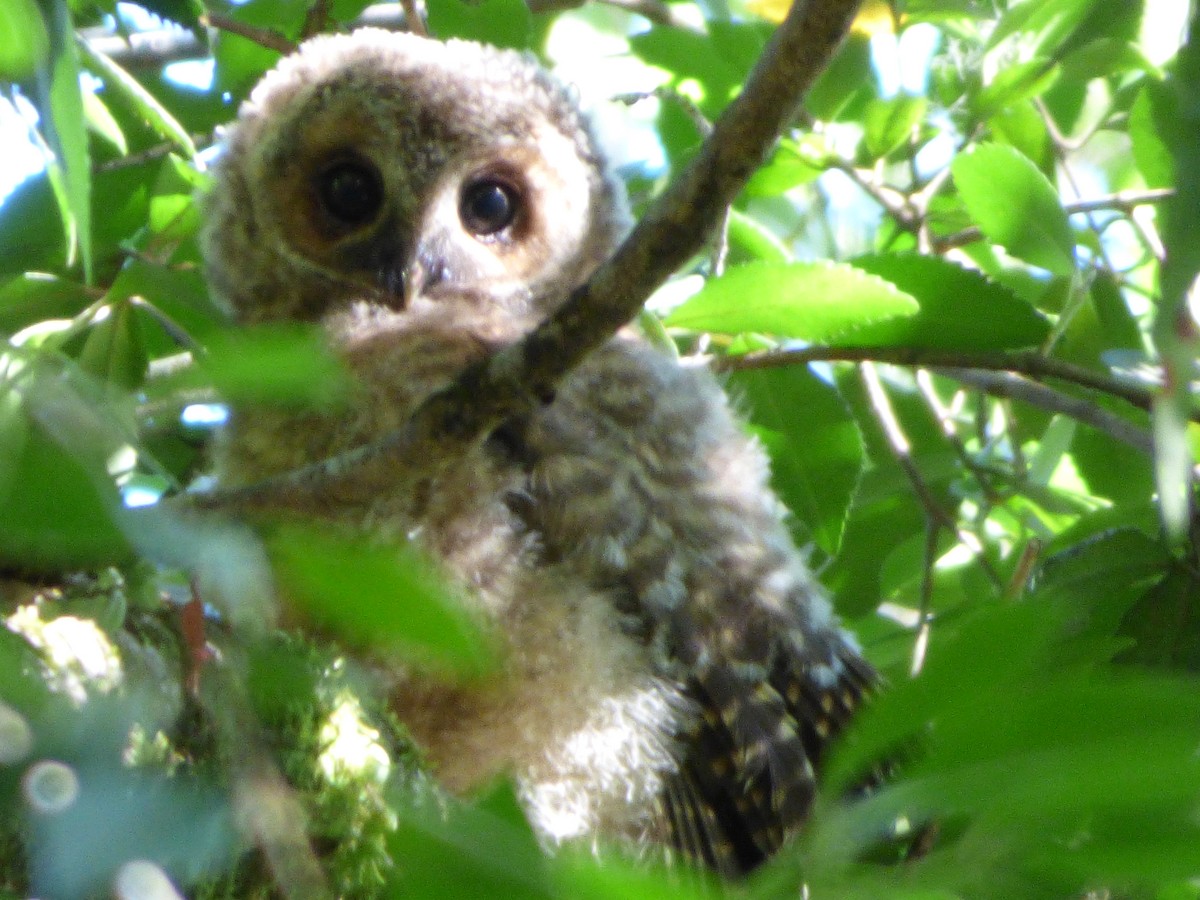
(748, 775)
(645, 484)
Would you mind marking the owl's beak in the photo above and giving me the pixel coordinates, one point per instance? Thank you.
(425, 272)
(414, 281)
(411, 276)
(402, 283)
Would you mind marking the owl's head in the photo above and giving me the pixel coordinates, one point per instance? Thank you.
(407, 172)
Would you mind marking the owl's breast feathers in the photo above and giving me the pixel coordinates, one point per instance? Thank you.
(673, 669)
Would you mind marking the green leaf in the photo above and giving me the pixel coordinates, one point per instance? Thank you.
(274, 364)
(1042, 25)
(1101, 574)
(690, 56)
(459, 852)
(1177, 115)
(1015, 205)
(173, 211)
(959, 309)
(584, 876)
(504, 23)
(115, 348)
(789, 167)
(752, 239)
(24, 44)
(1040, 761)
(58, 505)
(739, 43)
(31, 228)
(35, 296)
(1103, 58)
(145, 104)
(891, 123)
(102, 124)
(1099, 324)
(347, 10)
(845, 83)
(178, 299)
(1051, 448)
(1108, 468)
(1165, 623)
(1117, 325)
(884, 513)
(815, 445)
(1021, 125)
(284, 17)
(62, 107)
(810, 301)
(240, 62)
(1149, 150)
(1018, 640)
(1014, 84)
(383, 596)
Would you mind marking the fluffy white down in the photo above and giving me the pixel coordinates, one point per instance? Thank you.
(610, 767)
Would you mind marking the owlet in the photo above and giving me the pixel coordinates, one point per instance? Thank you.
(671, 670)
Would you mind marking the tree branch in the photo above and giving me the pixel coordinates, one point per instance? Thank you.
(676, 227)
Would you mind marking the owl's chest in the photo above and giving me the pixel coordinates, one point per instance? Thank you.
(575, 713)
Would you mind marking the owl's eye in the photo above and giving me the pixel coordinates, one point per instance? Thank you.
(488, 205)
(350, 192)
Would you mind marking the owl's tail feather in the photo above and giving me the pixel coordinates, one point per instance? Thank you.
(748, 777)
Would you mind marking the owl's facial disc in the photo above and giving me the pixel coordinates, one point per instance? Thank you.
(402, 172)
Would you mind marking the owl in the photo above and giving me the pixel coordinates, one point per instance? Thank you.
(670, 670)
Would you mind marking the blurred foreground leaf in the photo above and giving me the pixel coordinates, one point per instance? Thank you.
(382, 596)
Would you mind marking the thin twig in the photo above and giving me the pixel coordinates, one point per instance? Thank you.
(155, 48)
(1122, 201)
(150, 154)
(1027, 362)
(676, 227)
(719, 250)
(264, 37)
(893, 201)
(925, 610)
(666, 92)
(414, 18)
(1023, 570)
(316, 20)
(946, 416)
(937, 515)
(1006, 384)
